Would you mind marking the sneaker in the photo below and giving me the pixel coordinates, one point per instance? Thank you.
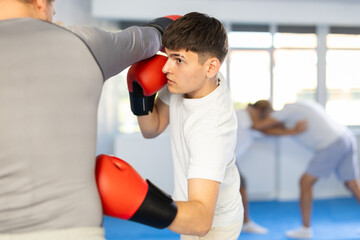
(251, 227)
(300, 233)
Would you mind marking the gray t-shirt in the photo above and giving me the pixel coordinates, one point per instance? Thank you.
(50, 85)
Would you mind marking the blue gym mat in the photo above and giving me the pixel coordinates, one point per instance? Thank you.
(333, 219)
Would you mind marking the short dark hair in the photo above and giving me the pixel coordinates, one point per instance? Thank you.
(199, 33)
(263, 106)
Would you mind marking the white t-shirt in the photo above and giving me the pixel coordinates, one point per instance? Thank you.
(203, 138)
(321, 129)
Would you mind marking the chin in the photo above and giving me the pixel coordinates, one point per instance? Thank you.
(171, 89)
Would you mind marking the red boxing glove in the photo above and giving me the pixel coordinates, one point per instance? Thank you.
(126, 195)
(145, 79)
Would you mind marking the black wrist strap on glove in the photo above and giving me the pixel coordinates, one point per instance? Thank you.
(158, 210)
(160, 23)
(141, 105)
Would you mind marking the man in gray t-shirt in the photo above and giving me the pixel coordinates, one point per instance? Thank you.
(50, 84)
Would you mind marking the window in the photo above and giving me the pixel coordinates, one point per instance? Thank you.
(343, 75)
(249, 76)
(295, 65)
(249, 64)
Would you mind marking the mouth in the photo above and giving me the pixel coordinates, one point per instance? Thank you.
(170, 81)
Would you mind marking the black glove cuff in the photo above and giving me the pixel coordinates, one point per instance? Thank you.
(141, 105)
(158, 210)
(160, 24)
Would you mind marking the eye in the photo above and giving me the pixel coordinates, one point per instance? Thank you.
(178, 60)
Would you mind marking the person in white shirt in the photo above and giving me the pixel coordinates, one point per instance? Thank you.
(250, 119)
(198, 108)
(335, 150)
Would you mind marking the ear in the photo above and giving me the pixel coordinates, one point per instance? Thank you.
(213, 67)
(44, 11)
(40, 5)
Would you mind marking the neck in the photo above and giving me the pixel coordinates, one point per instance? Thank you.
(16, 9)
(209, 86)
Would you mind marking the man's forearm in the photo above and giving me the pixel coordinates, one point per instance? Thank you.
(155, 122)
(149, 125)
(280, 131)
(193, 218)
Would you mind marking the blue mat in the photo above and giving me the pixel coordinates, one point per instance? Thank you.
(117, 229)
(333, 219)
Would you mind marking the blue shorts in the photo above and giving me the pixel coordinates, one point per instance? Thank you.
(340, 157)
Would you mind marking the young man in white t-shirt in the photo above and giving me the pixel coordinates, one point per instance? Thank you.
(203, 124)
